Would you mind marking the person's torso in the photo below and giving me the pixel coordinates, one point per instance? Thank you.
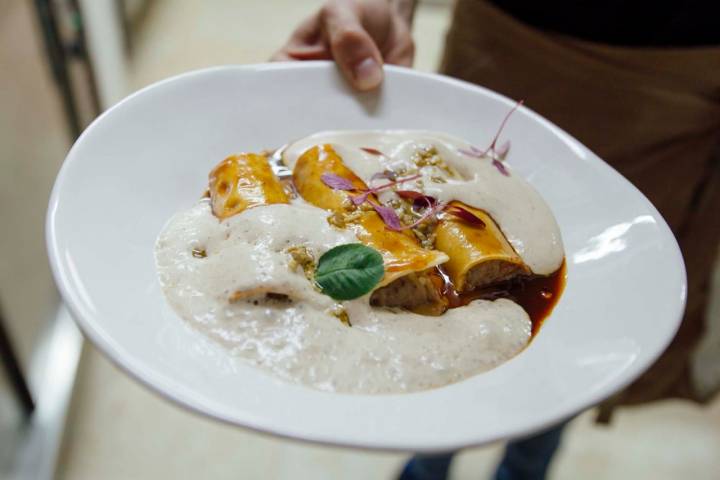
(660, 23)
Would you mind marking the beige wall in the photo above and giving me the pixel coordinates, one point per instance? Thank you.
(33, 143)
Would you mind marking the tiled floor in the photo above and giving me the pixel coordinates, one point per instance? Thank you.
(119, 430)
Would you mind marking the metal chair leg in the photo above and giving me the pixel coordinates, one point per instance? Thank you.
(14, 371)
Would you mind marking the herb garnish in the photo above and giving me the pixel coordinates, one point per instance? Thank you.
(497, 154)
(385, 174)
(465, 215)
(372, 151)
(433, 207)
(388, 215)
(420, 201)
(362, 197)
(336, 182)
(349, 271)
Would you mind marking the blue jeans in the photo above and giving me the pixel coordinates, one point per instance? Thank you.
(524, 459)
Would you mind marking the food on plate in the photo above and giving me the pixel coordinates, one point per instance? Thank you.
(477, 257)
(243, 181)
(408, 266)
(386, 262)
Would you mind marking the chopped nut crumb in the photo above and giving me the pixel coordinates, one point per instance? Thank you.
(347, 204)
(353, 216)
(428, 156)
(341, 219)
(428, 241)
(337, 219)
(339, 312)
(301, 257)
(198, 252)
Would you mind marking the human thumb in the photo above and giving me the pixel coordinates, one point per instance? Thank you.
(352, 48)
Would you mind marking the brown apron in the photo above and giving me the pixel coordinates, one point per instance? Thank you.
(652, 113)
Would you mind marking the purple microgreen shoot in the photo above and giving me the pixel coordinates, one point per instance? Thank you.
(498, 154)
(469, 153)
(503, 150)
(501, 167)
(419, 199)
(430, 212)
(386, 175)
(336, 182)
(472, 152)
(492, 147)
(465, 215)
(372, 151)
(388, 215)
(409, 194)
(359, 199)
(425, 201)
(396, 182)
(476, 150)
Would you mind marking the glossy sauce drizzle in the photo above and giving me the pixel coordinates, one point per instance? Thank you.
(536, 294)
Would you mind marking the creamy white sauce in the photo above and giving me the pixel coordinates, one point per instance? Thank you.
(383, 351)
(301, 341)
(521, 213)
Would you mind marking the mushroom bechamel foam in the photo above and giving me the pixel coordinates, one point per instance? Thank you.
(387, 265)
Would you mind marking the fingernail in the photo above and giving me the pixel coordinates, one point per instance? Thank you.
(368, 74)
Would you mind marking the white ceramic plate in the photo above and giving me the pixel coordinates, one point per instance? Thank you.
(148, 157)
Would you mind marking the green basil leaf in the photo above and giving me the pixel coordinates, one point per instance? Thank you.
(349, 271)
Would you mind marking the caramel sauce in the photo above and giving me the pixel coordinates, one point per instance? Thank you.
(536, 294)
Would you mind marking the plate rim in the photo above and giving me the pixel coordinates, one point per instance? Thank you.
(113, 351)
